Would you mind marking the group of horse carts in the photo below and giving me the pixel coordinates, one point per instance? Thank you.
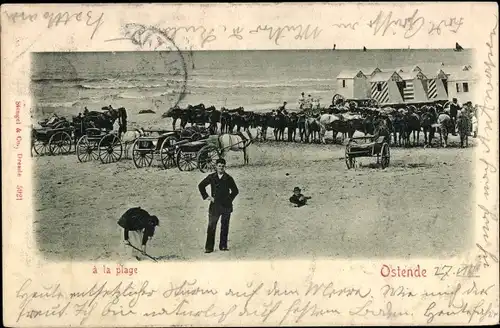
(103, 136)
(95, 137)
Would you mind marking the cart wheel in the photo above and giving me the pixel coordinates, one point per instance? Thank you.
(207, 156)
(60, 143)
(167, 152)
(386, 156)
(338, 99)
(41, 147)
(85, 150)
(185, 161)
(142, 153)
(110, 149)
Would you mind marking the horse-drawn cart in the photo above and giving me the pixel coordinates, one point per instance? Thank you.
(145, 148)
(52, 141)
(203, 154)
(188, 155)
(99, 144)
(367, 146)
(164, 144)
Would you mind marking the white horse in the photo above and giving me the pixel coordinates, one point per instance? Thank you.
(444, 126)
(325, 124)
(128, 138)
(235, 142)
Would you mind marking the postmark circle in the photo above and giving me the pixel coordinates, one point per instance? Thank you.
(173, 66)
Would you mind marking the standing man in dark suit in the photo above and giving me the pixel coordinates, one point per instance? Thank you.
(454, 109)
(223, 192)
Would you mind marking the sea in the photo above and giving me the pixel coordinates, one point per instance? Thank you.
(67, 82)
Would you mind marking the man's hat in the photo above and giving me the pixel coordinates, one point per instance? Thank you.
(154, 219)
(220, 161)
(296, 189)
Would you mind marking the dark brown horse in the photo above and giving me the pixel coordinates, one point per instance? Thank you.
(411, 127)
(301, 124)
(291, 126)
(279, 126)
(427, 120)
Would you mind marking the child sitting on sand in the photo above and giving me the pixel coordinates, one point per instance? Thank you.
(297, 198)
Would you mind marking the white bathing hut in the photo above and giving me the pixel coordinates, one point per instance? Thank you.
(438, 75)
(437, 85)
(407, 69)
(414, 85)
(370, 71)
(462, 85)
(353, 84)
(387, 88)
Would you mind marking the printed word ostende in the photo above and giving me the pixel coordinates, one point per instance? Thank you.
(398, 272)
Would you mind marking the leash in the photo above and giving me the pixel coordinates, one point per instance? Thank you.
(142, 252)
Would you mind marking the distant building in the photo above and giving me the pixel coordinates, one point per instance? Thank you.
(414, 85)
(370, 71)
(437, 85)
(408, 69)
(455, 68)
(353, 85)
(462, 85)
(429, 68)
(409, 84)
(387, 88)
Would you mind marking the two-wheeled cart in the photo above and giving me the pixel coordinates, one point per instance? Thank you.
(99, 144)
(367, 146)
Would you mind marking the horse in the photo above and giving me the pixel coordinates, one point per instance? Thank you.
(427, 120)
(175, 113)
(110, 120)
(244, 121)
(444, 126)
(463, 127)
(301, 124)
(235, 142)
(225, 121)
(267, 121)
(349, 124)
(411, 124)
(398, 128)
(214, 117)
(382, 128)
(368, 125)
(128, 138)
(326, 122)
(201, 116)
(291, 125)
(279, 126)
(312, 127)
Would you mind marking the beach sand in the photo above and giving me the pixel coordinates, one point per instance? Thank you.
(420, 206)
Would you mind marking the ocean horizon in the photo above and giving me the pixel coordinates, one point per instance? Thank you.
(258, 80)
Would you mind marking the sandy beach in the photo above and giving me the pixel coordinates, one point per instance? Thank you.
(422, 199)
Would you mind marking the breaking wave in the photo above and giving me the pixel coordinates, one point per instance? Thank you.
(67, 104)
